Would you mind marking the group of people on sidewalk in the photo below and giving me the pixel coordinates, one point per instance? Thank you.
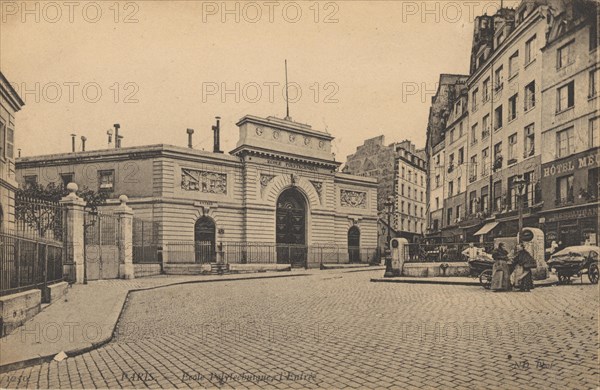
(516, 273)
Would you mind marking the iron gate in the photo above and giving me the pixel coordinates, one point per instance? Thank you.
(101, 246)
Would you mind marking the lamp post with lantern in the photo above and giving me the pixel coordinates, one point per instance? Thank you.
(520, 183)
(389, 208)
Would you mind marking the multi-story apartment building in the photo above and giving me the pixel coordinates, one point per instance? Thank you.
(533, 81)
(505, 115)
(455, 169)
(410, 172)
(10, 103)
(571, 126)
(450, 87)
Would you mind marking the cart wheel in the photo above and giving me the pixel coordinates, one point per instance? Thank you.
(485, 279)
(593, 273)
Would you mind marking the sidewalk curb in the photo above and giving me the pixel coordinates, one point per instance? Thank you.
(449, 282)
(78, 351)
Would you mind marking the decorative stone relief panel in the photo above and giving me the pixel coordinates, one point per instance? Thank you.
(318, 187)
(355, 199)
(264, 182)
(203, 181)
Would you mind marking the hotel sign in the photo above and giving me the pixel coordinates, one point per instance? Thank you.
(574, 163)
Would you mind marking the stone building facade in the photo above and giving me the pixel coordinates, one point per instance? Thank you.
(10, 103)
(409, 195)
(279, 186)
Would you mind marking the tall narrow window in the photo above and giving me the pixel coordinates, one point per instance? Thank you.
(485, 160)
(530, 50)
(498, 117)
(2, 140)
(474, 99)
(473, 169)
(529, 96)
(565, 97)
(529, 141)
(513, 64)
(512, 107)
(564, 142)
(564, 55)
(564, 190)
(512, 149)
(485, 127)
(499, 78)
(593, 136)
(10, 141)
(594, 83)
(461, 156)
(474, 133)
(486, 90)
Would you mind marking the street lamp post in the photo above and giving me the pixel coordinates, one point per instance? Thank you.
(520, 183)
(389, 205)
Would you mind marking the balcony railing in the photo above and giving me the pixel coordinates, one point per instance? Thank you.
(569, 200)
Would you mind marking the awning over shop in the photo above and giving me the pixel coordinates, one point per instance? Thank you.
(488, 227)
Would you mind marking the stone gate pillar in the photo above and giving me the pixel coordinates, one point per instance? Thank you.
(125, 239)
(399, 249)
(74, 227)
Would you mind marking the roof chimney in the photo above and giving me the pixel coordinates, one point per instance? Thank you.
(73, 142)
(83, 139)
(190, 132)
(117, 142)
(217, 131)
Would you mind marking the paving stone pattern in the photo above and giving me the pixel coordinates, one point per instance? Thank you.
(337, 330)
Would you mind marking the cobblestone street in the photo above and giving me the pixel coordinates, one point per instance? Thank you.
(336, 329)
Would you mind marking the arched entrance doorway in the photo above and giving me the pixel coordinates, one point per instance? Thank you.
(354, 245)
(204, 240)
(290, 229)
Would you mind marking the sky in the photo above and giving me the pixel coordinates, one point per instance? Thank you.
(356, 69)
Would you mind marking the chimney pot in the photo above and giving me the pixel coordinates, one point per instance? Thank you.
(83, 139)
(217, 136)
(190, 132)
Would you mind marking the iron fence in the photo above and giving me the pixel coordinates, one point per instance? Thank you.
(267, 253)
(38, 218)
(27, 263)
(185, 252)
(443, 252)
(145, 241)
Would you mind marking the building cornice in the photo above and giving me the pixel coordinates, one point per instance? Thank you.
(9, 94)
(285, 125)
(268, 153)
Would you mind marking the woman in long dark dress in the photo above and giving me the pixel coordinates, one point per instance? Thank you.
(500, 270)
(523, 263)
